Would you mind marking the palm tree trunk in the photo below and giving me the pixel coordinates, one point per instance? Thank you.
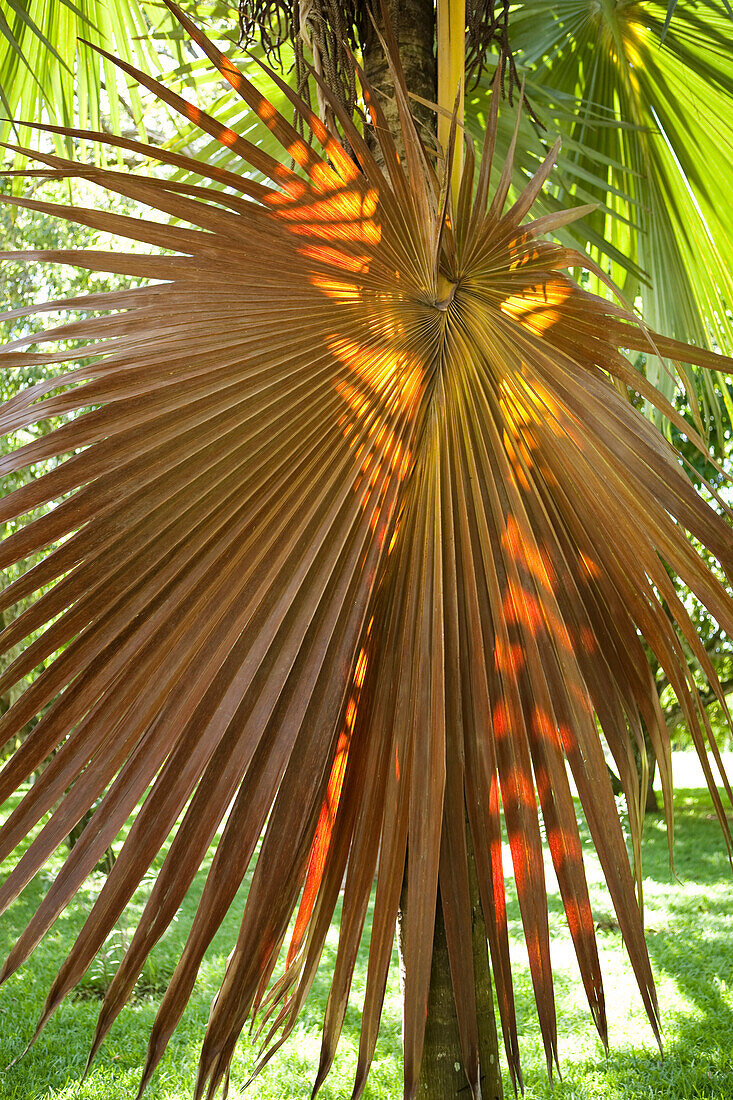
(442, 1073)
(442, 1076)
(413, 22)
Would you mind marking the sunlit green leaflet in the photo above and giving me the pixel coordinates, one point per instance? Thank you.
(358, 537)
(573, 182)
(46, 72)
(678, 155)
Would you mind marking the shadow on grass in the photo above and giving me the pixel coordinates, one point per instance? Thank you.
(698, 1039)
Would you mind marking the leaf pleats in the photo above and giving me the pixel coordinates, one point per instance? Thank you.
(355, 544)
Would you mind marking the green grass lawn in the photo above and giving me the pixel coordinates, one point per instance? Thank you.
(690, 936)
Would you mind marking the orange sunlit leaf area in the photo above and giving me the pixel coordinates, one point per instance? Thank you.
(538, 307)
(324, 829)
(346, 214)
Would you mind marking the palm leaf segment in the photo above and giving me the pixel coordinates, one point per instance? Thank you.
(668, 84)
(43, 72)
(357, 539)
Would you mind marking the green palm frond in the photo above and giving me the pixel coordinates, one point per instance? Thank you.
(46, 71)
(584, 182)
(229, 109)
(356, 544)
(676, 92)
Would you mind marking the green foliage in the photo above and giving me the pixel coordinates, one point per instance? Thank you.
(655, 101)
(45, 69)
(718, 644)
(690, 932)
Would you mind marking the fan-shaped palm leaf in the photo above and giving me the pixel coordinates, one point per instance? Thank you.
(674, 89)
(356, 535)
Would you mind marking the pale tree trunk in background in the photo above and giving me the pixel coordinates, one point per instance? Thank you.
(442, 1076)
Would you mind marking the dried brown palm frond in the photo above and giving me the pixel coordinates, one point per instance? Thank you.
(325, 31)
(331, 31)
(356, 538)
